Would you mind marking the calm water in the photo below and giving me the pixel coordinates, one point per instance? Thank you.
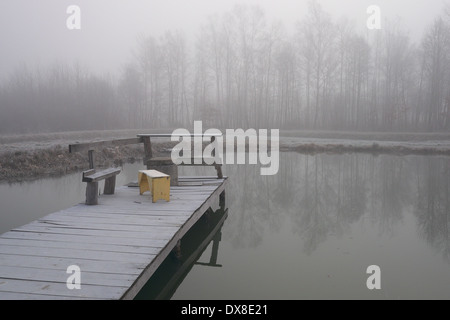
(309, 232)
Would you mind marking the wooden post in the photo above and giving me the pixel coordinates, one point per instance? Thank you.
(219, 171)
(217, 166)
(92, 193)
(92, 187)
(147, 149)
(91, 159)
(110, 185)
(214, 150)
(222, 200)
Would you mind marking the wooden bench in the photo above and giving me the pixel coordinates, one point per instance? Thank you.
(166, 165)
(156, 182)
(92, 177)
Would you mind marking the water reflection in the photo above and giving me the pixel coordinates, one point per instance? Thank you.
(325, 195)
(432, 206)
(255, 198)
(171, 273)
(311, 230)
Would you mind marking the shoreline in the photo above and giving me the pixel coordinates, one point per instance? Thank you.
(25, 158)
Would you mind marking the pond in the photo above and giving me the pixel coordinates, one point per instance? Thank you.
(309, 232)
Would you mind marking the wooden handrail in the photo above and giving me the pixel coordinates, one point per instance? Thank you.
(168, 135)
(77, 147)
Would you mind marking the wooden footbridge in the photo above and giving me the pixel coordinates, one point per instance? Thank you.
(117, 244)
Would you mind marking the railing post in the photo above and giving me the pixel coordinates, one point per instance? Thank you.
(92, 187)
(91, 159)
(147, 149)
(218, 167)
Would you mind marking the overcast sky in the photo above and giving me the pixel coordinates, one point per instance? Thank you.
(34, 31)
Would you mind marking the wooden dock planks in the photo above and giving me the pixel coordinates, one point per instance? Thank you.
(117, 244)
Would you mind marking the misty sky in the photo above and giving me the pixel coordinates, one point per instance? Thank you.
(35, 33)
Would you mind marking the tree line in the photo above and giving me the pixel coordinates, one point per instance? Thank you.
(244, 71)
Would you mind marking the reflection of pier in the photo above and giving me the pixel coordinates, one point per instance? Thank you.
(214, 253)
(172, 271)
(118, 244)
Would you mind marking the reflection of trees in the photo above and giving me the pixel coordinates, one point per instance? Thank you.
(433, 207)
(258, 201)
(314, 221)
(353, 197)
(392, 193)
(251, 197)
(333, 196)
(325, 195)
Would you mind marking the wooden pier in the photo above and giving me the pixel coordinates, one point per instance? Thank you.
(117, 244)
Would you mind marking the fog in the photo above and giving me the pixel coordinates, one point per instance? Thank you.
(34, 32)
(394, 65)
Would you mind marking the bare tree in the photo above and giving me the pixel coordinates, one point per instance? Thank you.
(318, 36)
(436, 59)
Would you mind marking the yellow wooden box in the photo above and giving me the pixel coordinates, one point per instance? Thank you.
(156, 182)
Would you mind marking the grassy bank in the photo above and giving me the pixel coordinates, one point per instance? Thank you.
(28, 157)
